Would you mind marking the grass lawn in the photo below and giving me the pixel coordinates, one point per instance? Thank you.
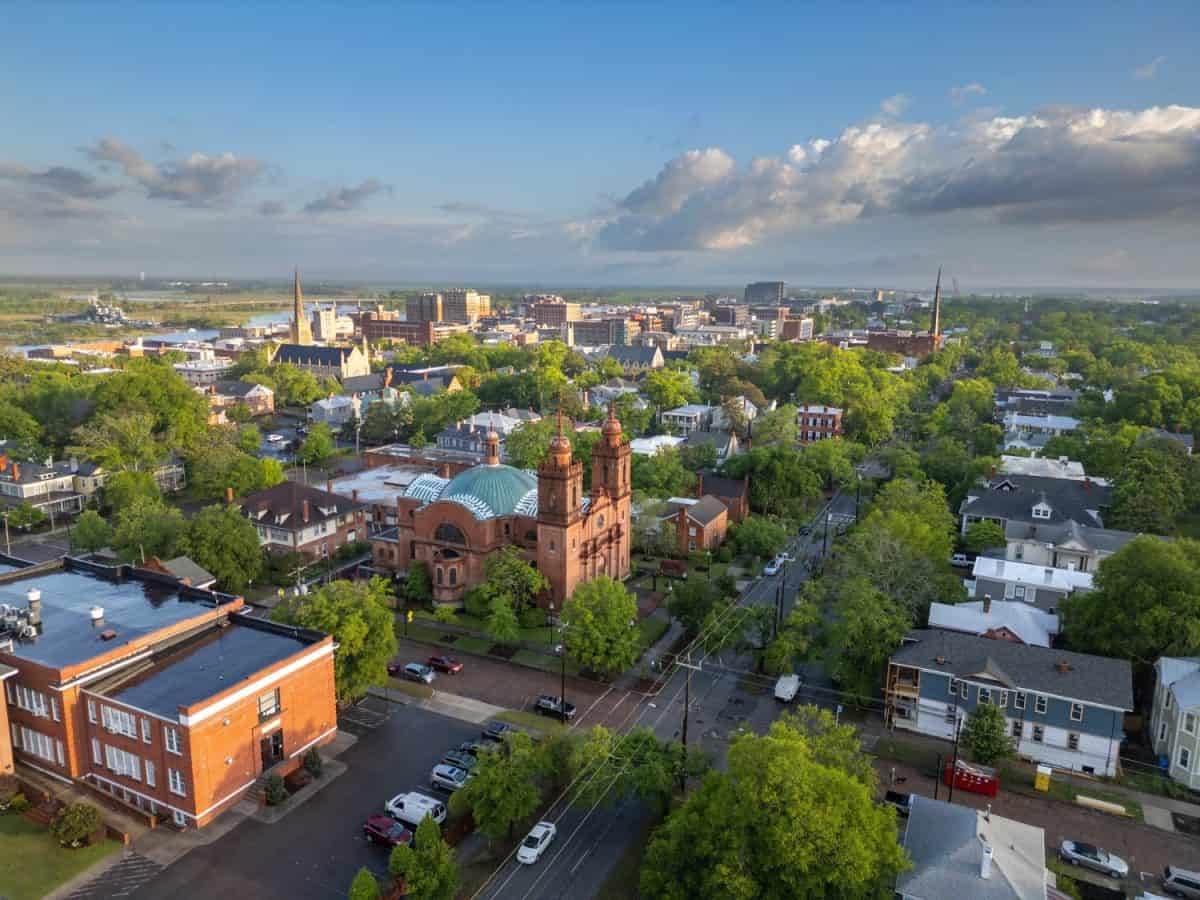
(543, 634)
(921, 758)
(434, 635)
(523, 718)
(32, 862)
(423, 691)
(1021, 781)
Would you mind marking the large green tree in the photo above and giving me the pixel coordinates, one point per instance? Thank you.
(504, 789)
(985, 735)
(667, 388)
(508, 577)
(428, 866)
(983, 535)
(91, 532)
(760, 536)
(599, 619)
(356, 613)
(318, 446)
(791, 826)
(223, 541)
(121, 442)
(867, 627)
(146, 528)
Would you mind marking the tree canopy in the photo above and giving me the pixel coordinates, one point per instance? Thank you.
(599, 621)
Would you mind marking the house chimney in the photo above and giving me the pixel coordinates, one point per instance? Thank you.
(97, 616)
(993, 471)
(16, 471)
(985, 862)
(987, 603)
(34, 598)
(229, 496)
(354, 495)
(304, 512)
(1087, 483)
(329, 485)
(444, 470)
(1063, 667)
(3, 462)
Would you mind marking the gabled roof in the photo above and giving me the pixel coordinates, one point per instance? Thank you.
(724, 487)
(1014, 496)
(304, 355)
(722, 440)
(282, 506)
(634, 356)
(1069, 533)
(362, 384)
(1182, 677)
(707, 509)
(188, 571)
(1029, 623)
(240, 388)
(1090, 679)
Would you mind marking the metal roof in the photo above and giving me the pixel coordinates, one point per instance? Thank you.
(1033, 625)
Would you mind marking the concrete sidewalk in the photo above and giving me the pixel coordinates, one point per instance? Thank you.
(455, 706)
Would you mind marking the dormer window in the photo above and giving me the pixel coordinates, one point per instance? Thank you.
(1041, 511)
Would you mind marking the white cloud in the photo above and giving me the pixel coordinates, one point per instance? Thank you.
(961, 93)
(895, 105)
(1150, 69)
(199, 180)
(345, 198)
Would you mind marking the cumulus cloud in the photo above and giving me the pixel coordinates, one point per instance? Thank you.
(895, 105)
(1059, 165)
(961, 93)
(1150, 69)
(199, 180)
(346, 198)
(57, 192)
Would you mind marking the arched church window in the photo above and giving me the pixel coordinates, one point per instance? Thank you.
(453, 576)
(439, 575)
(601, 522)
(450, 534)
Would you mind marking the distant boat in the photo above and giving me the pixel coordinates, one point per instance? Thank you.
(191, 331)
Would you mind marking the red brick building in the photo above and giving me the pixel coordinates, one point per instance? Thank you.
(733, 492)
(375, 327)
(160, 696)
(294, 517)
(569, 534)
(700, 524)
(815, 423)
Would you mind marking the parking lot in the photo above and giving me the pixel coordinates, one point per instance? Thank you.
(316, 849)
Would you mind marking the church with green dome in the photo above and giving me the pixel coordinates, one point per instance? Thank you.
(570, 535)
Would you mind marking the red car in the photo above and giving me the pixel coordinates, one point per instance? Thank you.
(444, 664)
(381, 829)
(393, 668)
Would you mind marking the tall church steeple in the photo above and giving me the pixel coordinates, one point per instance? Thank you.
(301, 329)
(935, 321)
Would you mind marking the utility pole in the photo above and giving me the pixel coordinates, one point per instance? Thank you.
(687, 704)
(857, 496)
(7, 542)
(954, 766)
(825, 537)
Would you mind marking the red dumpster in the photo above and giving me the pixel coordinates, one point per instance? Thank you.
(973, 778)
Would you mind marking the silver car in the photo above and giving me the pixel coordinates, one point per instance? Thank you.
(1093, 857)
(448, 778)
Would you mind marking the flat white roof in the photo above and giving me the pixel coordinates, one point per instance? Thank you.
(648, 446)
(378, 484)
(1030, 575)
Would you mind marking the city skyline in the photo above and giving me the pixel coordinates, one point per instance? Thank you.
(677, 146)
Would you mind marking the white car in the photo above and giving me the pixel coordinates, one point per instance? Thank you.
(274, 438)
(412, 808)
(536, 842)
(1093, 857)
(774, 566)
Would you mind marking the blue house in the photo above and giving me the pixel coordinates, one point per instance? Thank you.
(1063, 709)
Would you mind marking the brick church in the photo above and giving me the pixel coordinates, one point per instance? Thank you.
(568, 533)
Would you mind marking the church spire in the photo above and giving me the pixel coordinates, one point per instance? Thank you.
(935, 322)
(301, 330)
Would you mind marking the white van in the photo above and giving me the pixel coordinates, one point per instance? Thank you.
(787, 687)
(412, 808)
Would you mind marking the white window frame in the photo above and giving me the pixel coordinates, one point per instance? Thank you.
(1019, 592)
(1189, 723)
(1076, 707)
(145, 730)
(1003, 704)
(58, 752)
(1183, 758)
(150, 780)
(97, 755)
(1018, 729)
(1040, 704)
(171, 740)
(122, 762)
(32, 701)
(175, 781)
(54, 709)
(954, 683)
(120, 721)
(37, 744)
(1019, 700)
(1039, 734)
(985, 696)
(91, 710)
(963, 688)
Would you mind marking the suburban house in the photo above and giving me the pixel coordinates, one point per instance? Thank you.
(1055, 401)
(1175, 719)
(612, 390)
(689, 418)
(635, 359)
(1006, 620)
(295, 517)
(337, 410)
(733, 492)
(1043, 587)
(428, 381)
(204, 372)
(257, 398)
(1064, 545)
(50, 487)
(648, 446)
(90, 477)
(1031, 431)
(1035, 500)
(378, 487)
(183, 570)
(815, 422)
(1063, 709)
(1184, 442)
(960, 853)
(720, 419)
(699, 524)
(1045, 467)
(161, 697)
(470, 435)
(724, 443)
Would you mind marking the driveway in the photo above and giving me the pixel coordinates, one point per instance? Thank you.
(315, 850)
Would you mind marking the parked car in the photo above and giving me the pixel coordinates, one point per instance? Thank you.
(548, 705)
(773, 567)
(1093, 857)
(495, 731)
(960, 559)
(475, 746)
(444, 664)
(787, 687)
(412, 808)
(419, 672)
(275, 438)
(902, 802)
(381, 829)
(805, 530)
(448, 778)
(393, 668)
(460, 759)
(536, 842)
(1181, 882)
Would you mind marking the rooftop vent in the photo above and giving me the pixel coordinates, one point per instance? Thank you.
(1063, 667)
(940, 660)
(97, 616)
(107, 634)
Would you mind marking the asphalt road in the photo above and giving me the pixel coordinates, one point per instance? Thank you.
(316, 849)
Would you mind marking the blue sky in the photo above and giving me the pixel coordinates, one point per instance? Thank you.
(612, 144)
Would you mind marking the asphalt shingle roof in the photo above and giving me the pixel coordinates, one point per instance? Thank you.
(1093, 679)
(1108, 540)
(1014, 496)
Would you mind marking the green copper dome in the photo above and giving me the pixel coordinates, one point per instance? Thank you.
(491, 491)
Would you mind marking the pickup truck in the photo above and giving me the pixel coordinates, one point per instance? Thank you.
(902, 802)
(787, 687)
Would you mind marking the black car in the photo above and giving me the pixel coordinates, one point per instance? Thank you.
(805, 530)
(475, 746)
(901, 802)
(548, 705)
(495, 731)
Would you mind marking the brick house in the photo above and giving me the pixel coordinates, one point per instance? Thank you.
(815, 423)
(257, 398)
(699, 524)
(298, 518)
(160, 696)
(733, 492)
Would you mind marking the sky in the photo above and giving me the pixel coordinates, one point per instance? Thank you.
(604, 144)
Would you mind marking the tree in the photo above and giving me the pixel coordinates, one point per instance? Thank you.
(868, 627)
(502, 625)
(418, 585)
(123, 488)
(794, 640)
(504, 789)
(428, 867)
(983, 535)
(26, 515)
(223, 541)
(599, 619)
(985, 735)
(691, 602)
(648, 767)
(74, 824)
(148, 528)
(318, 446)
(91, 532)
(1149, 491)
(249, 438)
(120, 442)
(364, 886)
(1145, 604)
(507, 576)
(661, 475)
(792, 826)
(667, 389)
(760, 536)
(357, 615)
(775, 426)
